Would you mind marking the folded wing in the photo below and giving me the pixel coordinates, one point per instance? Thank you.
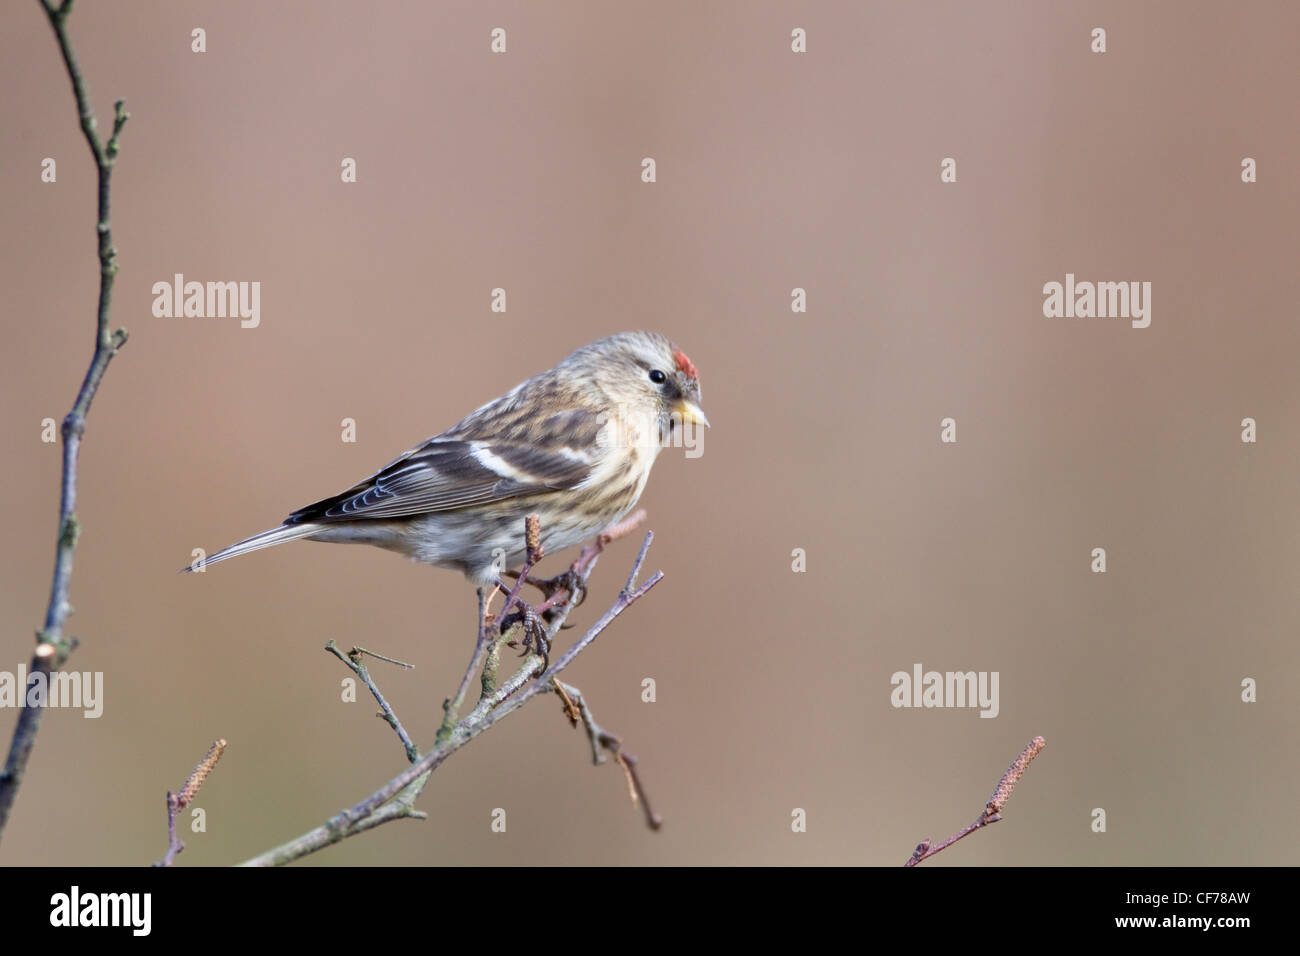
(445, 474)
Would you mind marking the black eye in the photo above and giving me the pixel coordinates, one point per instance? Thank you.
(657, 376)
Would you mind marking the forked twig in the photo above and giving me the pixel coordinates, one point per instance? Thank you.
(395, 799)
(578, 711)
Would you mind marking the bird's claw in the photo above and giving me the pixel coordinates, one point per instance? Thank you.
(568, 580)
(534, 633)
(535, 636)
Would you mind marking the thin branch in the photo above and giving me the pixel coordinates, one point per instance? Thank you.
(176, 802)
(625, 598)
(577, 710)
(53, 647)
(395, 799)
(364, 652)
(353, 660)
(992, 811)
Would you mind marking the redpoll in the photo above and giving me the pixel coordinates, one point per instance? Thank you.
(573, 445)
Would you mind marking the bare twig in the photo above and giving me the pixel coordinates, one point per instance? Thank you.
(53, 646)
(363, 652)
(395, 799)
(577, 709)
(353, 660)
(176, 802)
(992, 812)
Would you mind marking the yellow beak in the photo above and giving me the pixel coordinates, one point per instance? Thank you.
(691, 414)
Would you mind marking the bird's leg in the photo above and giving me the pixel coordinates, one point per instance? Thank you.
(556, 591)
(568, 580)
(528, 619)
(486, 615)
(535, 633)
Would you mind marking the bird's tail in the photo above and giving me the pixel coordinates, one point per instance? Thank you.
(286, 532)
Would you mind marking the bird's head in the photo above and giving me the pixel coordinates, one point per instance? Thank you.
(646, 376)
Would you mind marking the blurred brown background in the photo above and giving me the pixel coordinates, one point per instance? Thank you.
(775, 170)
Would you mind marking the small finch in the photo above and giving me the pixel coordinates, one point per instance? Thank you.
(573, 445)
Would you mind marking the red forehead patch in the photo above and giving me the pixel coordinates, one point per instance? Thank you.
(685, 365)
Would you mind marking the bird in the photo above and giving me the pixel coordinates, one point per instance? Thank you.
(573, 444)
